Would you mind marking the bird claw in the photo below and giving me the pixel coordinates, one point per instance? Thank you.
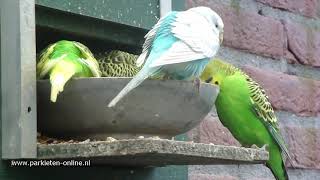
(155, 137)
(110, 139)
(264, 147)
(253, 146)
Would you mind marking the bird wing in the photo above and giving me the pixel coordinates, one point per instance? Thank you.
(263, 109)
(197, 40)
(88, 59)
(149, 38)
(42, 66)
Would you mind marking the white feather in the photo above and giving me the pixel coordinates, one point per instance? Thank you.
(197, 40)
(136, 81)
(149, 37)
(141, 59)
(178, 53)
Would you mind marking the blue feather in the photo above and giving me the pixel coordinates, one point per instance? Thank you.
(185, 71)
(164, 39)
(162, 42)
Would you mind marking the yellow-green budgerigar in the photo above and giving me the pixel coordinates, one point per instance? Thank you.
(118, 64)
(244, 108)
(63, 60)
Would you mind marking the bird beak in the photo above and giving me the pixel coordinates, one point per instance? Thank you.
(221, 37)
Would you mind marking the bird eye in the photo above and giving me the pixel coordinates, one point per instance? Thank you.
(216, 82)
(217, 26)
(209, 80)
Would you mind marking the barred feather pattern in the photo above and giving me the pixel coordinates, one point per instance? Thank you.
(264, 110)
(260, 98)
(118, 64)
(258, 95)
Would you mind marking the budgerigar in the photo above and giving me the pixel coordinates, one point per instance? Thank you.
(244, 108)
(118, 64)
(65, 59)
(179, 46)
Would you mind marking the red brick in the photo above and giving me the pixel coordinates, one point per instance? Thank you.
(305, 7)
(304, 146)
(211, 177)
(248, 31)
(290, 57)
(303, 43)
(287, 54)
(289, 93)
(303, 142)
(211, 130)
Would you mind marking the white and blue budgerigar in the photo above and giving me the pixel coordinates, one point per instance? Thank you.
(179, 46)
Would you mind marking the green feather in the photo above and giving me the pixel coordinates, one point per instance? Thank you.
(118, 64)
(243, 107)
(63, 60)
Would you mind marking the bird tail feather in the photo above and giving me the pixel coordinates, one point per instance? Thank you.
(136, 81)
(58, 80)
(276, 163)
(141, 59)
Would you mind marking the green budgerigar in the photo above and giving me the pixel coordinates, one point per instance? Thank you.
(118, 64)
(244, 108)
(63, 60)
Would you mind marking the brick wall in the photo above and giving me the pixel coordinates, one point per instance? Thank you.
(277, 42)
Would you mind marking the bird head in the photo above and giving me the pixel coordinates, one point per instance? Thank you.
(115, 57)
(213, 18)
(216, 71)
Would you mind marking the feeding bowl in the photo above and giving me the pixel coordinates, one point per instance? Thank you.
(155, 108)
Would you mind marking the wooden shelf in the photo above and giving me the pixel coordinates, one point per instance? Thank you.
(152, 152)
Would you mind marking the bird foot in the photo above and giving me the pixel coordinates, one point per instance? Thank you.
(110, 139)
(253, 146)
(264, 147)
(86, 141)
(155, 137)
(196, 83)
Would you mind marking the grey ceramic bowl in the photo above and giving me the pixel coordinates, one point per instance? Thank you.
(155, 108)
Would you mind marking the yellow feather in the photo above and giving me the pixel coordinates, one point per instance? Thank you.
(58, 78)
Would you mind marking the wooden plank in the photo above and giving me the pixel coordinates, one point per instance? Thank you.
(71, 25)
(73, 20)
(179, 5)
(152, 152)
(18, 79)
(165, 7)
(142, 13)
